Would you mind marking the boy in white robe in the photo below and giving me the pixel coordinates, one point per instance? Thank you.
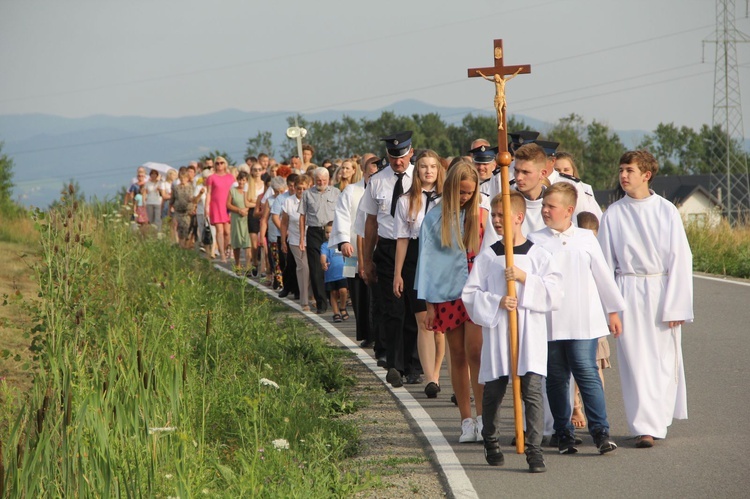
(575, 329)
(487, 303)
(644, 243)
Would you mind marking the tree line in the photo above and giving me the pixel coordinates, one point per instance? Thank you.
(594, 145)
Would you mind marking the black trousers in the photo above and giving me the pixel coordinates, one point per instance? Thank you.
(314, 239)
(288, 270)
(397, 314)
(361, 306)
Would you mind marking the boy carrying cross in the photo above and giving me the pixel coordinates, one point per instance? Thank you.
(486, 301)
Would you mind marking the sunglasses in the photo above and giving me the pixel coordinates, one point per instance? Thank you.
(221, 162)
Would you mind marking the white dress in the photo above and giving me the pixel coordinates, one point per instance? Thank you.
(644, 243)
(542, 293)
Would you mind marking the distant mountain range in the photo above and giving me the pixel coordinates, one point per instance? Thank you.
(102, 152)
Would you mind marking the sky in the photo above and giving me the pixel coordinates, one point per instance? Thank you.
(628, 64)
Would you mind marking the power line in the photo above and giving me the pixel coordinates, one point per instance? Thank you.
(329, 48)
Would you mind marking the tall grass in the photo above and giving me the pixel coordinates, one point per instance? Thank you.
(154, 376)
(723, 250)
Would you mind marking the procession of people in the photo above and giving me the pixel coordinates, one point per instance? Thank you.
(413, 245)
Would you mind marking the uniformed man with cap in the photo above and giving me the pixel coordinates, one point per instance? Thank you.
(484, 160)
(379, 203)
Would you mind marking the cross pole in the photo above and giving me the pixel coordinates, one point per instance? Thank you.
(498, 72)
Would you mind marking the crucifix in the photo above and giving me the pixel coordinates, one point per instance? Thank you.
(500, 74)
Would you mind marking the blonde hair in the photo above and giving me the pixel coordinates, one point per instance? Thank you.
(451, 208)
(517, 202)
(567, 192)
(415, 191)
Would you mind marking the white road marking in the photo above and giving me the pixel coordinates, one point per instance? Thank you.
(459, 483)
(719, 279)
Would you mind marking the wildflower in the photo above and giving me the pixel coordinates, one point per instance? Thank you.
(165, 429)
(286, 420)
(168, 476)
(280, 444)
(261, 450)
(205, 492)
(171, 357)
(268, 382)
(171, 326)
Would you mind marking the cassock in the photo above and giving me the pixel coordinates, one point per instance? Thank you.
(644, 243)
(587, 282)
(542, 293)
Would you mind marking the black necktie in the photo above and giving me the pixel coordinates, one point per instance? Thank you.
(431, 197)
(397, 191)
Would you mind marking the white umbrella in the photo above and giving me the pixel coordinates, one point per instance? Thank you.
(162, 168)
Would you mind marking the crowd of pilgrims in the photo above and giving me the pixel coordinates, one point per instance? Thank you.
(413, 244)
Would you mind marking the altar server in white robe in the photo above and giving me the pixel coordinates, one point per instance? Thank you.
(574, 330)
(487, 303)
(644, 242)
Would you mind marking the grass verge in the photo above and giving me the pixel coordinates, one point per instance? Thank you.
(155, 376)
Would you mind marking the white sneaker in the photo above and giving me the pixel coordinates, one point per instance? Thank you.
(480, 426)
(468, 431)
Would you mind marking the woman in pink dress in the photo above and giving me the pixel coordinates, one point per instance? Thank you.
(218, 186)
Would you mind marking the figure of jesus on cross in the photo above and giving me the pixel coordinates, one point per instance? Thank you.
(498, 73)
(499, 95)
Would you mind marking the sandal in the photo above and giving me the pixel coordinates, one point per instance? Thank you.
(337, 318)
(345, 315)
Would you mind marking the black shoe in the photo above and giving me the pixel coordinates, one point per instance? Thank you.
(365, 344)
(321, 311)
(394, 378)
(603, 442)
(492, 453)
(296, 296)
(553, 441)
(566, 443)
(431, 390)
(454, 399)
(414, 379)
(382, 361)
(536, 463)
(276, 284)
(283, 293)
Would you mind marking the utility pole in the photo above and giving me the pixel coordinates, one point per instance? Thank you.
(729, 174)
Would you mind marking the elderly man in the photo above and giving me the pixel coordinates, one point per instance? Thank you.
(316, 209)
(379, 253)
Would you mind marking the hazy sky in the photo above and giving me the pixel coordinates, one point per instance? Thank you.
(630, 64)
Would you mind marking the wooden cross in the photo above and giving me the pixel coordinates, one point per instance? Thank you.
(497, 73)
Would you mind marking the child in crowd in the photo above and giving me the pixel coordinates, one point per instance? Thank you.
(486, 300)
(332, 262)
(139, 207)
(449, 239)
(588, 220)
(423, 195)
(237, 205)
(644, 242)
(573, 330)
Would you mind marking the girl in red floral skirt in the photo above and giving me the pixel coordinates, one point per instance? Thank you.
(450, 237)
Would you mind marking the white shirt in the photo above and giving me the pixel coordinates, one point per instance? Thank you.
(406, 226)
(588, 283)
(345, 214)
(378, 195)
(291, 205)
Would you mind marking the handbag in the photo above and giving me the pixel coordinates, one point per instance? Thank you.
(207, 238)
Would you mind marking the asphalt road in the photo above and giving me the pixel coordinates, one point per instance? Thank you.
(703, 456)
(706, 455)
